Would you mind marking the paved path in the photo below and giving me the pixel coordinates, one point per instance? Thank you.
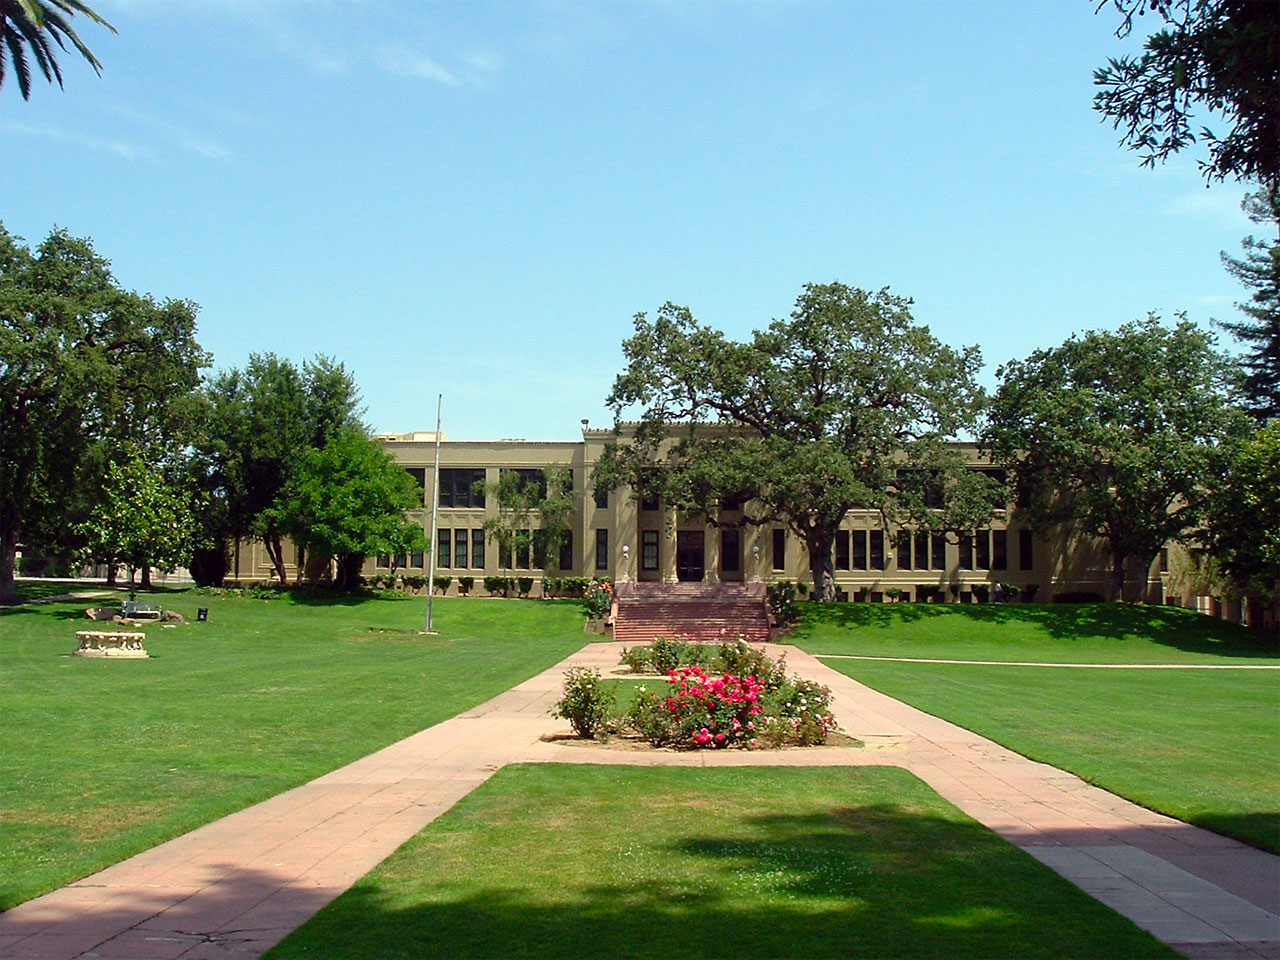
(235, 887)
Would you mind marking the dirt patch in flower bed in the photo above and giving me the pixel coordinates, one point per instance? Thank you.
(634, 743)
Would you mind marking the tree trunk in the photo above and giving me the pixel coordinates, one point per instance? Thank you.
(822, 567)
(8, 559)
(113, 575)
(146, 575)
(302, 565)
(276, 552)
(1117, 576)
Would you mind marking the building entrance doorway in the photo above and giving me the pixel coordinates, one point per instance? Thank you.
(689, 555)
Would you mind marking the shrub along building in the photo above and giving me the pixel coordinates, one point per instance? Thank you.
(619, 535)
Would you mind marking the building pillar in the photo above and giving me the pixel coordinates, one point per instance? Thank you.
(710, 554)
(667, 550)
(755, 553)
(624, 533)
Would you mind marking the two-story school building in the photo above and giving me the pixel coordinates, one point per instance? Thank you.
(617, 535)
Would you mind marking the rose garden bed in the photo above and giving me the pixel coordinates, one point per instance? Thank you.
(744, 699)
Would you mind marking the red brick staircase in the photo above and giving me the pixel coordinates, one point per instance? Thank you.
(693, 611)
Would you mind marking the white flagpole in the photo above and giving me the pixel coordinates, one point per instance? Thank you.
(435, 507)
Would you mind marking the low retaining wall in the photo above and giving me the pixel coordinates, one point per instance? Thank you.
(110, 643)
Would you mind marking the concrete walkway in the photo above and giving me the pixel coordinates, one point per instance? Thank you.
(237, 886)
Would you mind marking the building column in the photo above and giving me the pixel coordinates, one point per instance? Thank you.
(711, 554)
(755, 552)
(667, 550)
(625, 533)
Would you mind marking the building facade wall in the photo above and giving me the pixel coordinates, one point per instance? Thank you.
(621, 537)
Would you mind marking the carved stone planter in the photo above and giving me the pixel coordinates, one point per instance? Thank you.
(113, 644)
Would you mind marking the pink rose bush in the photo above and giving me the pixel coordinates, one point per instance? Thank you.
(705, 711)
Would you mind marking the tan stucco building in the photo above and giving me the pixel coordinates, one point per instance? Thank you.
(617, 536)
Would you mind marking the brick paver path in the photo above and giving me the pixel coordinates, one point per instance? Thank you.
(233, 888)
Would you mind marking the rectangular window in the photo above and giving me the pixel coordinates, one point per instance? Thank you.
(1026, 553)
(602, 549)
(939, 550)
(779, 548)
(529, 477)
(477, 548)
(842, 549)
(999, 550)
(649, 550)
(539, 552)
(462, 488)
(650, 502)
(417, 559)
(966, 551)
(730, 549)
(602, 498)
(566, 551)
(877, 550)
(444, 555)
(459, 548)
(731, 503)
(860, 549)
(983, 558)
(384, 560)
(523, 552)
(904, 549)
(504, 556)
(419, 475)
(399, 561)
(922, 550)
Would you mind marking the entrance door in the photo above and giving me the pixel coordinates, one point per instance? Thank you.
(689, 555)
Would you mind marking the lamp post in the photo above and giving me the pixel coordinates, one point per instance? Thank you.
(435, 508)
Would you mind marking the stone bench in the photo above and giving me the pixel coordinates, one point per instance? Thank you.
(132, 610)
(110, 643)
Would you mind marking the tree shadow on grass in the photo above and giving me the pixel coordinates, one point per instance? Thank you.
(1169, 626)
(856, 881)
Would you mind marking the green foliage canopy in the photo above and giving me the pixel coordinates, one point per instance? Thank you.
(849, 403)
(142, 520)
(347, 500)
(1259, 328)
(1243, 517)
(1220, 55)
(260, 423)
(1118, 434)
(533, 515)
(87, 370)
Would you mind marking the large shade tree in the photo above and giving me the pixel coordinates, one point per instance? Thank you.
(260, 422)
(849, 403)
(143, 519)
(30, 30)
(1221, 57)
(1118, 435)
(1243, 516)
(347, 500)
(1259, 327)
(86, 369)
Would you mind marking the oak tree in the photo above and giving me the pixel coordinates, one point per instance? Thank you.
(849, 403)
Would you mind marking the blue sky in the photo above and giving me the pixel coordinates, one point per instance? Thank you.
(475, 198)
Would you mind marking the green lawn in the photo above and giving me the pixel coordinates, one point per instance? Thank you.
(557, 860)
(103, 759)
(1199, 745)
(1053, 632)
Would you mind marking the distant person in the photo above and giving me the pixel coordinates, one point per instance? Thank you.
(997, 594)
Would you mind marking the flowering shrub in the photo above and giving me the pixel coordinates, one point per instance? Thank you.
(799, 711)
(698, 710)
(755, 705)
(587, 702)
(597, 597)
